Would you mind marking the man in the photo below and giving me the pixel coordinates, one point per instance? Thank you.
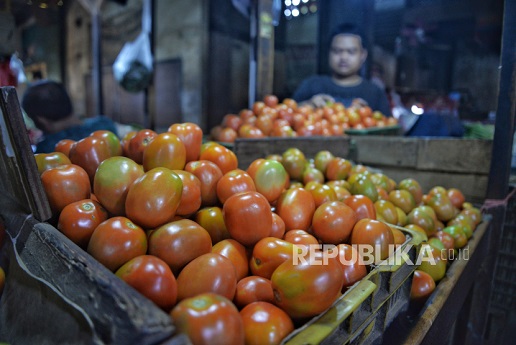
(346, 57)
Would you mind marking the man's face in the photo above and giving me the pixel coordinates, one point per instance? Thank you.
(346, 55)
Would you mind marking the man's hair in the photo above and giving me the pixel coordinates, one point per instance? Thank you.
(349, 29)
(48, 99)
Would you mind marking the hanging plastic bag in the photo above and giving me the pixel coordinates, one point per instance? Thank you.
(133, 66)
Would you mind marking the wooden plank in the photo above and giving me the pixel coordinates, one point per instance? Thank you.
(384, 150)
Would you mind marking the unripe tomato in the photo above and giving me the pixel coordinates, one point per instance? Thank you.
(112, 180)
(322, 159)
(165, 150)
(265, 324)
(45, 161)
(191, 136)
(269, 176)
(296, 207)
(253, 289)
(435, 266)
(322, 193)
(386, 211)
(151, 277)
(248, 217)
(294, 162)
(403, 199)
(153, 198)
(209, 319)
(338, 168)
(419, 217)
(413, 187)
(115, 147)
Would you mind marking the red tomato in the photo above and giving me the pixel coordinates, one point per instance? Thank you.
(232, 121)
(211, 219)
(447, 241)
(375, 234)
(116, 241)
(165, 150)
(301, 238)
(115, 147)
(338, 168)
(232, 182)
(191, 194)
(235, 252)
(265, 324)
(153, 198)
(79, 219)
(253, 289)
(362, 205)
(65, 184)
(64, 146)
(209, 318)
(248, 217)
(209, 174)
(296, 207)
(88, 153)
(422, 286)
(125, 142)
(352, 266)
(45, 161)
(223, 157)
(268, 254)
(112, 180)
(333, 221)
(226, 135)
(168, 242)
(191, 136)
(138, 143)
(270, 178)
(278, 226)
(210, 272)
(270, 100)
(151, 276)
(308, 287)
(264, 123)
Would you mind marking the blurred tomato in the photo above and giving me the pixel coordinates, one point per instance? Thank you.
(322, 159)
(313, 174)
(191, 136)
(386, 211)
(322, 193)
(278, 226)
(432, 262)
(45, 161)
(88, 153)
(64, 146)
(153, 198)
(361, 184)
(79, 219)
(422, 286)
(362, 205)
(376, 234)
(179, 242)
(403, 199)
(447, 241)
(125, 142)
(352, 266)
(420, 217)
(294, 162)
(209, 174)
(151, 277)
(226, 135)
(265, 324)
(232, 182)
(268, 254)
(269, 176)
(112, 180)
(253, 289)
(115, 147)
(248, 217)
(270, 100)
(191, 194)
(399, 236)
(65, 184)
(413, 187)
(333, 221)
(138, 143)
(223, 157)
(116, 241)
(459, 237)
(296, 207)
(165, 150)
(235, 252)
(211, 219)
(442, 206)
(209, 319)
(232, 121)
(209, 272)
(308, 287)
(338, 168)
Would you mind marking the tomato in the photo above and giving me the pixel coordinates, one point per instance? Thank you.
(79, 219)
(333, 221)
(209, 272)
(300, 238)
(413, 187)
(474, 213)
(296, 207)
(211, 219)
(153, 198)
(402, 217)
(232, 182)
(447, 241)
(294, 162)
(422, 286)
(191, 136)
(151, 276)
(45, 161)
(248, 217)
(116, 241)
(362, 205)
(338, 168)
(436, 268)
(223, 157)
(191, 194)
(420, 217)
(169, 243)
(352, 266)
(386, 211)
(403, 199)
(399, 236)
(376, 234)
(253, 289)
(165, 150)
(306, 288)
(313, 174)
(268, 254)
(278, 226)
(442, 206)
(459, 237)
(235, 252)
(226, 135)
(64, 146)
(112, 180)
(138, 143)
(232, 121)
(270, 100)
(269, 176)
(115, 147)
(456, 197)
(381, 180)
(249, 131)
(65, 184)
(363, 185)
(265, 324)
(209, 174)
(209, 318)
(125, 142)
(322, 193)
(88, 153)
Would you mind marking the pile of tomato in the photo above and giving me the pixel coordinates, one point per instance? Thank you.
(270, 118)
(234, 255)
